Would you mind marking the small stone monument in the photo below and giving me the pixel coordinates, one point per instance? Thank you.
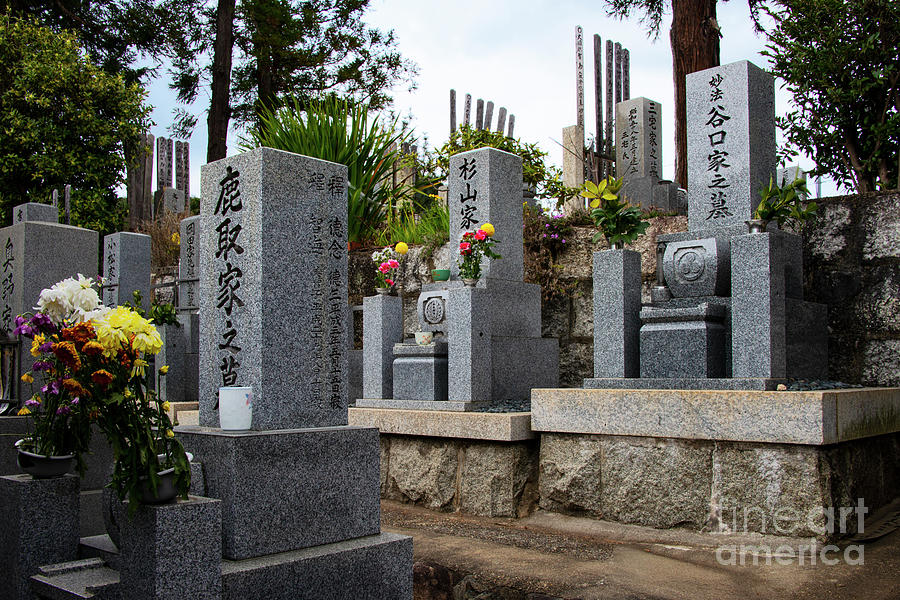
(639, 156)
(126, 268)
(488, 346)
(728, 309)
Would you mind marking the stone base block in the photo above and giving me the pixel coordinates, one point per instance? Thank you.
(729, 487)
(172, 551)
(683, 342)
(39, 519)
(519, 365)
(377, 567)
(318, 485)
(420, 372)
(672, 383)
(419, 404)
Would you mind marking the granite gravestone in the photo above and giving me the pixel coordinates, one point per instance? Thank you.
(34, 211)
(273, 287)
(164, 150)
(731, 143)
(126, 268)
(35, 255)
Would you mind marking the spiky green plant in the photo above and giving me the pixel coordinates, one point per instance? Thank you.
(344, 132)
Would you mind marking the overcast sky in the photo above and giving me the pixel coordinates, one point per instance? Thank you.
(520, 54)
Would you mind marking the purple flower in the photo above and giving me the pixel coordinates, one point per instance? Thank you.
(23, 328)
(41, 365)
(32, 403)
(45, 347)
(546, 224)
(75, 401)
(43, 322)
(63, 410)
(52, 387)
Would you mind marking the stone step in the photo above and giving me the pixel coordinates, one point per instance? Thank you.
(178, 407)
(85, 578)
(189, 417)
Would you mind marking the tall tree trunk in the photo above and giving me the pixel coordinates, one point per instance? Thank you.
(694, 38)
(220, 103)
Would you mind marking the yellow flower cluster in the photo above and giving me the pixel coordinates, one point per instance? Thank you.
(118, 326)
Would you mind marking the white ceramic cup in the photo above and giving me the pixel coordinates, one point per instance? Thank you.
(235, 408)
(423, 338)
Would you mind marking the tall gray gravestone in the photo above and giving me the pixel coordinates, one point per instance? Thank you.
(126, 268)
(35, 255)
(731, 143)
(273, 287)
(274, 316)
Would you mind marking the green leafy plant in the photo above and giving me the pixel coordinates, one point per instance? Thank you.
(546, 180)
(341, 131)
(785, 203)
(546, 235)
(418, 225)
(618, 221)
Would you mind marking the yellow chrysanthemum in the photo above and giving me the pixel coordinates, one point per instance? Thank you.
(176, 238)
(164, 369)
(401, 248)
(166, 406)
(23, 411)
(148, 342)
(27, 378)
(488, 229)
(36, 343)
(170, 433)
(139, 367)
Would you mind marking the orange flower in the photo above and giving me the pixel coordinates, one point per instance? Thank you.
(102, 377)
(66, 352)
(75, 388)
(79, 333)
(92, 348)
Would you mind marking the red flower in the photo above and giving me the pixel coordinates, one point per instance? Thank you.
(465, 247)
(389, 281)
(468, 235)
(480, 235)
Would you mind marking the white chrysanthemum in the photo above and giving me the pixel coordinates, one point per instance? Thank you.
(69, 299)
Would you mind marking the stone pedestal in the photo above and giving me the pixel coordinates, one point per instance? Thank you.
(617, 303)
(469, 337)
(420, 372)
(34, 211)
(39, 519)
(683, 342)
(172, 551)
(289, 489)
(382, 328)
(758, 339)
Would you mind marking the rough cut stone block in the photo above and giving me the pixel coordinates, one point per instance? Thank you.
(683, 342)
(570, 473)
(758, 322)
(377, 567)
(423, 471)
(660, 483)
(273, 254)
(469, 352)
(382, 328)
(494, 478)
(35, 211)
(617, 303)
(485, 186)
(731, 143)
(172, 551)
(519, 365)
(290, 478)
(39, 520)
(126, 268)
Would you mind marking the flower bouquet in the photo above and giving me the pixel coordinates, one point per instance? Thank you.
(93, 361)
(472, 246)
(388, 263)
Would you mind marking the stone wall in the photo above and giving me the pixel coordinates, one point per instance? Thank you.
(852, 264)
(488, 478)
